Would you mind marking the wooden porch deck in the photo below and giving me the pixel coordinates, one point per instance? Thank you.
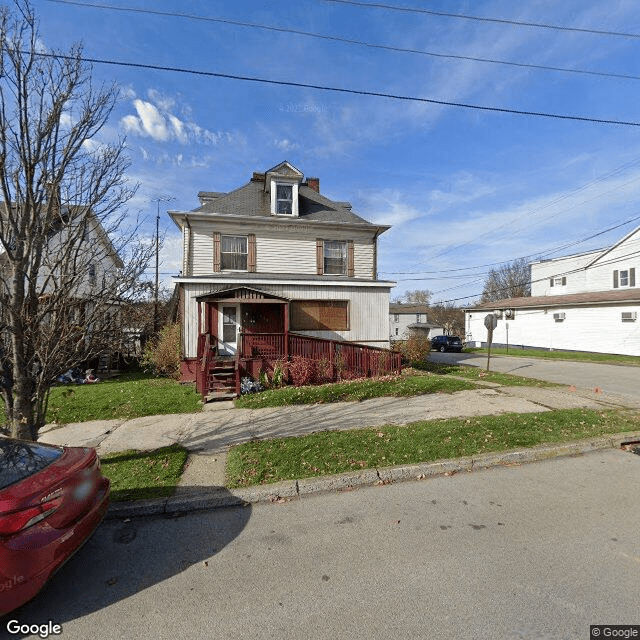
(220, 376)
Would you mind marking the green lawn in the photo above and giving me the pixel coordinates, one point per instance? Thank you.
(354, 390)
(139, 475)
(476, 373)
(582, 356)
(333, 452)
(128, 396)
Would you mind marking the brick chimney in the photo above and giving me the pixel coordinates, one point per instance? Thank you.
(314, 183)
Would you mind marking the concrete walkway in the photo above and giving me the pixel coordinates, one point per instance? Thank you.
(209, 434)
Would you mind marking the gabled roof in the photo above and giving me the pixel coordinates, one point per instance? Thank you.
(568, 300)
(613, 246)
(254, 200)
(397, 307)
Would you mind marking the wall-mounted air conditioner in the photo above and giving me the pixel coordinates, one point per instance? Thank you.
(559, 317)
(629, 316)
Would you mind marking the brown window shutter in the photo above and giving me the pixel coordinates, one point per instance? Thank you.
(551, 282)
(632, 277)
(251, 252)
(319, 256)
(350, 265)
(615, 279)
(216, 251)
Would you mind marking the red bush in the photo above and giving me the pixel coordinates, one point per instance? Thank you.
(303, 371)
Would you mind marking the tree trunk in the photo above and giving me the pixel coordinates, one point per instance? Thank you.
(23, 419)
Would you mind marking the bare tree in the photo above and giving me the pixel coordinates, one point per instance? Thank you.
(68, 258)
(449, 317)
(512, 280)
(419, 296)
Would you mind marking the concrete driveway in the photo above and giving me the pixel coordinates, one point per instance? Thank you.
(619, 380)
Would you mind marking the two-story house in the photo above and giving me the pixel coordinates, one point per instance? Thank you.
(407, 319)
(274, 269)
(582, 302)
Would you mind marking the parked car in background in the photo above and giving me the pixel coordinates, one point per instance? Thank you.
(446, 343)
(51, 501)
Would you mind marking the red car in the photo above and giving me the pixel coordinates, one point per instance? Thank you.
(51, 501)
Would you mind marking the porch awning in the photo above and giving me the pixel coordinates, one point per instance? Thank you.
(241, 294)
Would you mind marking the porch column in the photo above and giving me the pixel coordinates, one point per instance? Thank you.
(286, 331)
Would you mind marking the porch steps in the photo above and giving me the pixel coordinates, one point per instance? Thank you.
(221, 381)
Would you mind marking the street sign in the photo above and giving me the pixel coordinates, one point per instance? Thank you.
(490, 321)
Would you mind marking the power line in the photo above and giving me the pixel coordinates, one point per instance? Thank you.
(362, 43)
(376, 94)
(518, 23)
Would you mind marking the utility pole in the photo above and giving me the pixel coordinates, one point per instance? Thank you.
(158, 200)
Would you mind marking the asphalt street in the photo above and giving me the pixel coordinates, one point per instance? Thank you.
(610, 378)
(535, 552)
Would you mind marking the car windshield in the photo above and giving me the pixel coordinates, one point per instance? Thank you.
(20, 459)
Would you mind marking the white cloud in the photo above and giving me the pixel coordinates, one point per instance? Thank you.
(154, 119)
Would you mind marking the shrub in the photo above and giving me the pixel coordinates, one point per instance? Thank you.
(302, 370)
(162, 353)
(415, 348)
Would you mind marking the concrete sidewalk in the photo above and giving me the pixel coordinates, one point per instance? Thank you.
(209, 434)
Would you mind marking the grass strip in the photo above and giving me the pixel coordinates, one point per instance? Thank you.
(331, 452)
(129, 396)
(580, 356)
(476, 373)
(353, 390)
(139, 475)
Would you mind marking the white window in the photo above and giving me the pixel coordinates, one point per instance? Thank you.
(418, 317)
(233, 253)
(624, 278)
(93, 279)
(396, 317)
(396, 330)
(335, 257)
(284, 199)
(558, 281)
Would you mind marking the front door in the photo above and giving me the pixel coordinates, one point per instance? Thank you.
(228, 328)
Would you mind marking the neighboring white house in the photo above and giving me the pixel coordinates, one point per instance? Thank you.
(275, 256)
(582, 302)
(405, 319)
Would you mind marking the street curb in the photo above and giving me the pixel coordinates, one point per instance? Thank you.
(288, 490)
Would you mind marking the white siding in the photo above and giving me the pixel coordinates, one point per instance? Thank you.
(571, 267)
(368, 311)
(283, 248)
(201, 249)
(585, 328)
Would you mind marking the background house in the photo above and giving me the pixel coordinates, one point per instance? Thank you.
(272, 257)
(582, 302)
(405, 319)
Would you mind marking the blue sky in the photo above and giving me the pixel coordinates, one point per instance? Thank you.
(463, 188)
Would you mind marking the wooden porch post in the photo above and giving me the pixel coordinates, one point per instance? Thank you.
(286, 331)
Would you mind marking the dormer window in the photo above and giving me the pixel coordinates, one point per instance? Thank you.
(284, 199)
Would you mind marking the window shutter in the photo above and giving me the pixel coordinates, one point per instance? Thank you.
(564, 280)
(251, 253)
(216, 251)
(350, 264)
(632, 277)
(551, 282)
(615, 279)
(319, 256)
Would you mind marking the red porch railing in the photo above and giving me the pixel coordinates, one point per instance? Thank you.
(346, 358)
